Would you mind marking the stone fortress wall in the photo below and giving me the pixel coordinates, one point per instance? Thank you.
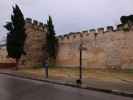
(110, 48)
(3, 56)
(35, 43)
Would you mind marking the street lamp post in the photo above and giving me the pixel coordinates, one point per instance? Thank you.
(81, 48)
(79, 81)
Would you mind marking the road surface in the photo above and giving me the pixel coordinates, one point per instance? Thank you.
(13, 88)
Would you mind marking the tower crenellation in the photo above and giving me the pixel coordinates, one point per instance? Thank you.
(28, 20)
(34, 24)
(110, 28)
(86, 33)
(100, 30)
(92, 30)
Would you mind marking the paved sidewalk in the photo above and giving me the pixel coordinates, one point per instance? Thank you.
(124, 88)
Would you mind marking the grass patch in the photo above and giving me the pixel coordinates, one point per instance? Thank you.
(37, 66)
(73, 73)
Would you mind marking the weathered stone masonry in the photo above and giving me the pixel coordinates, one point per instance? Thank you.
(105, 49)
(35, 43)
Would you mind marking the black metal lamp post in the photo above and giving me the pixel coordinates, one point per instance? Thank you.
(81, 48)
(79, 81)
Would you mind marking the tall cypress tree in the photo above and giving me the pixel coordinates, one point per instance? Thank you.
(52, 42)
(16, 35)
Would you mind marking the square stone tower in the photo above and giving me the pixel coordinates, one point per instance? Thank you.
(35, 44)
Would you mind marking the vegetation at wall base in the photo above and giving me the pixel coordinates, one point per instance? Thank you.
(37, 66)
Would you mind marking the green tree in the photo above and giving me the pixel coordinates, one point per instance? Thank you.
(16, 35)
(124, 19)
(52, 42)
(127, 22)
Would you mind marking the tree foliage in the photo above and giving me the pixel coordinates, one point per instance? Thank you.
(16, 34)
(126, 19)
(52, 42)
(127, 22)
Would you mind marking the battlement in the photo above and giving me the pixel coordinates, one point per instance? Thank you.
(92, 32)
(110, 28)
(34, 24)
(100, 30)
(39, 26)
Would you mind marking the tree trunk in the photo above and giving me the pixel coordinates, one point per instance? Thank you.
(17, 62)
(52, 62)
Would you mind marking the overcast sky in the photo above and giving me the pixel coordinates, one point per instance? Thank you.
(69, 15)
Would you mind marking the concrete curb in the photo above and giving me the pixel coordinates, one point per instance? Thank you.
(115, 92)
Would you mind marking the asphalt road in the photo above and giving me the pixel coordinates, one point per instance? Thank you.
(13, 88)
